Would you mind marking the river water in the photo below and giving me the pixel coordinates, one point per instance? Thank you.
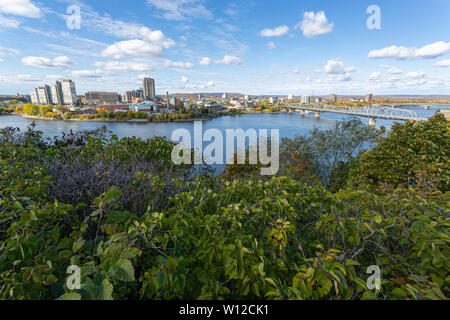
(289, 125)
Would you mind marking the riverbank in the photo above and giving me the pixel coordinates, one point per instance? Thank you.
(113, 120)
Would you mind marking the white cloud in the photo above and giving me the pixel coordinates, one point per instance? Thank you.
(336, 66)
(430, 51)
(124, 30)
(86, 73)
(184, 79)
(271, 45)
(1, 60)
(156, 37)
(205, 61)
(375, 76)
(61, 62)
(416, 75)
(443, 63)
(296, 70)
(391, 69)
(229, 60)
(200, 86)
(392, 52)
(128, 66)
(21, 8)
(132, 48)
(8, 22)
(179, 65)
(27, 77)
(181, 9)
(4, 52)
(277, 32)
(314, 24)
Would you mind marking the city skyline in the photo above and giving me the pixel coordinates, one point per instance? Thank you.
(256, 48)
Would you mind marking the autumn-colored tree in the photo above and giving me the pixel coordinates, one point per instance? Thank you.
(31, 109)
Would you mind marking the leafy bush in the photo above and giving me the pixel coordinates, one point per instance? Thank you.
(413, 154)
(139, 228)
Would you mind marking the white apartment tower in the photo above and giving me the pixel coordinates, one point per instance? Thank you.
(63, 92)
(306, 99)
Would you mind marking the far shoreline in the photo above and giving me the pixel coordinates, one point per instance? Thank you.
(109, 120)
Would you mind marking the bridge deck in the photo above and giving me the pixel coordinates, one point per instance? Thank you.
(374, 112)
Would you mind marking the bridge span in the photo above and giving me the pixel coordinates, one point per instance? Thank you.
(371, 112)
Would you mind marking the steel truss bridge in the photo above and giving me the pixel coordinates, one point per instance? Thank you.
(372, 112)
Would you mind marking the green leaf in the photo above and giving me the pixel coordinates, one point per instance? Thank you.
(111, 196)
(261, 269)
(103, 291)
(70, 296)
(161, 278)
(77, 245)
(123, 271)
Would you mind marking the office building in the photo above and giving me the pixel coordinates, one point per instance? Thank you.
(96, 97)
(149, 88)
(332, 98)
(305, 99)
(290, 97)
(369, 98)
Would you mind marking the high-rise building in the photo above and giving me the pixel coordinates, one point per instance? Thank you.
(69, 93)
(149, 88)
(305, 99)
(63, 92)
(369, 98)
(332, 98)
(34, 97)
(56, 94)
(41, 95)
(290, 97)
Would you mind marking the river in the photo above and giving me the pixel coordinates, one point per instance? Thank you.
(289, 125)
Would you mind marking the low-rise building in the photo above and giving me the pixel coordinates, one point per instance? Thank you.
(116, 107)
(213, 107)
(146, 106)
(98, 98)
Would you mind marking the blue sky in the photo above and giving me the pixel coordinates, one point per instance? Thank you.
(246, 46)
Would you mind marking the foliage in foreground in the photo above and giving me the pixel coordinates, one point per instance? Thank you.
(203, 238)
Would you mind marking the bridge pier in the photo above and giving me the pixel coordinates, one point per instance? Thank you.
(317, 115)
(372, 123)
(302, 113)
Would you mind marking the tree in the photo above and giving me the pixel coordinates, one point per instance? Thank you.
(31, 109)
(325, 151)
(43, 110)
(413, 154)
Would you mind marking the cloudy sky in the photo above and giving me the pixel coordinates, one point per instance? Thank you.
(246, 46)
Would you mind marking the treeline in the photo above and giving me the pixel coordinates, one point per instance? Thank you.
(139, 227)
(62, 113)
